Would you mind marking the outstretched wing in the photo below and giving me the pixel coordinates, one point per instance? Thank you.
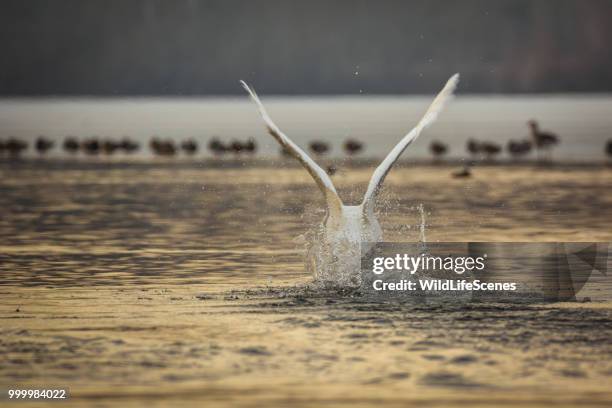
(318, 174)
(430, 116)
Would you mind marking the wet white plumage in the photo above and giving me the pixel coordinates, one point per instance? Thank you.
(318, 174)
(428, 118)
(335, 253)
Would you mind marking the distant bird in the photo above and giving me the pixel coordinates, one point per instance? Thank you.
(331, 169)
(542, 140)
(518, 148)
(490, 149)
(319, 148)
(609, 148)
(463, 173)
(91, 146)
(250, 146)
(189, 146)
(110, 146)
(71, 145)
(438, 149)
(15, 146)
(43, 145)
(237, 146)
(473, 147)
(217, 147)
(162, 147)
(128, 146)
(353, 147)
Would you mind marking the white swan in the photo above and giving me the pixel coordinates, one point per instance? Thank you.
(335, 255)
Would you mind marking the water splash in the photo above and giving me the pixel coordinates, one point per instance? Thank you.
(423, 238)
(334, 253)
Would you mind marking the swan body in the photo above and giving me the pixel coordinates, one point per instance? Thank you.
(334, 255)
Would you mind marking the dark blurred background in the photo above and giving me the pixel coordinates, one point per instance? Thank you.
(202, 47)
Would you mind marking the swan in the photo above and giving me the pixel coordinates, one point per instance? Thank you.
(334, 256)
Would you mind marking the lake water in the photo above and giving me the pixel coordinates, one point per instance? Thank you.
(173, 284)
(584, 123)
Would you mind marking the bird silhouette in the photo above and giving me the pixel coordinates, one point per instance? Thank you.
(128, 146)
(473, 148)
(438, 149)
(318, 147)
(331, 169)
(91, 146)
(250, 146)
(162, 147)
(518, 148)
(15, 147)
(237, 146)
(43, 145)
(217, 147)
(71, 145)
(110, 146)
(490, 149)
(352, 147)
(189, 146)
(544, 141)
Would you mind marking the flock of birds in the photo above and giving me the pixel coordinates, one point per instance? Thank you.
(540, 141)
(158, 146)
(95, 146)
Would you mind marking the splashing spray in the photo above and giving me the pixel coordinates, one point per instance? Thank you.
(335, 256)
(422, 237)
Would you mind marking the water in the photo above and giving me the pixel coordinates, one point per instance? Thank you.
(167, 284)
(584, 123)
(208, 222)
(422, 237)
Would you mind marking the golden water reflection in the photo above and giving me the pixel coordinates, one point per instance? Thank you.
(162, 285)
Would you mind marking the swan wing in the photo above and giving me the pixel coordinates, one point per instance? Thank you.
(428, 118)
(316, 172)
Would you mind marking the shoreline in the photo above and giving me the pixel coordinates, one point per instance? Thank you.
(86, 163)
